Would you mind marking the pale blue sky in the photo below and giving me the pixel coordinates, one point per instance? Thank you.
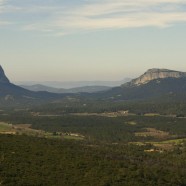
(42, 40)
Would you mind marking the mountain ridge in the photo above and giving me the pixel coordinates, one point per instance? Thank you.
(13, 95)
(153, 84)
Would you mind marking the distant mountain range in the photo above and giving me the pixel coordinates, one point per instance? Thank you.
(73, 84)
(153, 84)
(87, 89)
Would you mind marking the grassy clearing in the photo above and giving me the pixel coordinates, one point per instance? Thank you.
(152, 114)
(161, 146)
(24, 129)
(5, 127)
(73, 137)
(152, 132)
(132, 123)
(174, 141)
(138, 143)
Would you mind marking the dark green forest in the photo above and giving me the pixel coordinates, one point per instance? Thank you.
(30, 161)
(165, 105)
(126, 150)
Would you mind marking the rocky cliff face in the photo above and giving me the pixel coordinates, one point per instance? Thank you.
(3, 78)
(153, 74)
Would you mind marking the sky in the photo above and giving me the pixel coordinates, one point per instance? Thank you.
(75, 40)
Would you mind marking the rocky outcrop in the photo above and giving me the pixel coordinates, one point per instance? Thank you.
(3, 78)
(153, 74)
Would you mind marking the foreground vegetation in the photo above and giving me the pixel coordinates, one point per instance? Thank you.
(65, 149)
(33, 161)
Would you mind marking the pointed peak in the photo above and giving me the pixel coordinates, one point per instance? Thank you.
(1, 69)
(3, 78)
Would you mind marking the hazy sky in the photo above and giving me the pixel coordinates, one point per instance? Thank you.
(90, 39)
